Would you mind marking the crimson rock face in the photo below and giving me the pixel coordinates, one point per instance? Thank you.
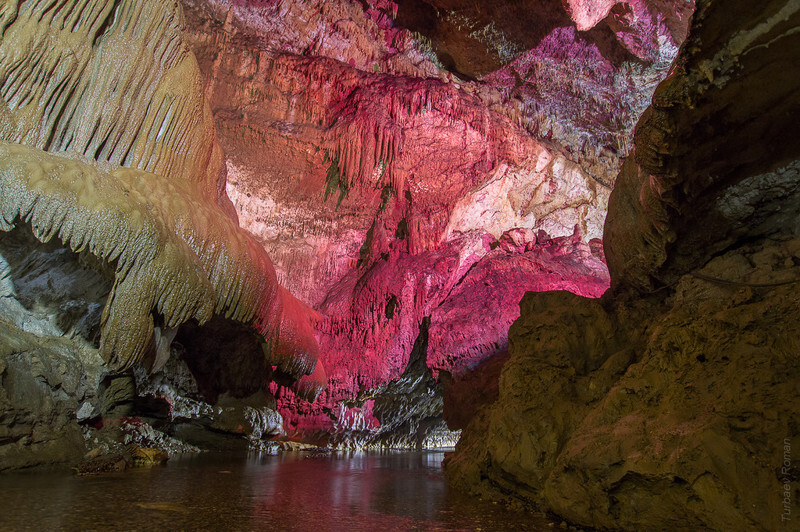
(387, 190)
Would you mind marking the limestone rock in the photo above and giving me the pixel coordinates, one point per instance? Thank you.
(376, 180)
(461, 333)
(249, 417)
(146, 457)
(672, 401)
(108, 144)
(464, 394)
(48, 290)
(716, 155)
(698, 426)
(133, 456)
(409, 409)
(649, 422)
(169, 256)
(70, 85)
(42, 384)
(70, 88)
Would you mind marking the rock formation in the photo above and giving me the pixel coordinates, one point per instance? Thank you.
(387, 190)
(694, 188)
(410, 171)
(671, 402)
(407, 206)
(118, 158)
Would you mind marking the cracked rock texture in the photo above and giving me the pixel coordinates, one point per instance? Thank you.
(43, 383)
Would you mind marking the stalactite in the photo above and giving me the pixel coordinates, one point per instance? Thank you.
(136, 179)
(173, 253)
(66, 79)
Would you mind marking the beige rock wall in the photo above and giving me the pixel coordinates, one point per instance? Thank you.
(112, 81)
(108, 144)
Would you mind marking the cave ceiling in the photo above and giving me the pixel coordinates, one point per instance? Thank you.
(475, 38)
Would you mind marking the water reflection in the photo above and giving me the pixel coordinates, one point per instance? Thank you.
(394, 491)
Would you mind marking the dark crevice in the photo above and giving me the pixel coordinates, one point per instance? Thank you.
(56, 7)
(106, 24)
(242, 371)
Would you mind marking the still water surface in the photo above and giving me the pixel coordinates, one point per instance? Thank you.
(339, 492)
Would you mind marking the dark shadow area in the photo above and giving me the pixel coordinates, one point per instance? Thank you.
(464, 394)
(225, 357)
(472, 39)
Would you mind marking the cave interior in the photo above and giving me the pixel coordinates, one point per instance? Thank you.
(558, 238)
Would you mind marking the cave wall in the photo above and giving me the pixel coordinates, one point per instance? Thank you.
(387, 188)
(120, 157)
(374, 182)
(108, 150)
(68, 81)
(671, 402)
(716, 159)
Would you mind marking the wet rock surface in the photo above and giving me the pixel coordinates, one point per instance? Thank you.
(447, 286)
(410, 408)
(48, 290)
(205, 416)
(133, 456)
(43, 383)
(386, 190)
(60, 401)
(110, 160)
(404, 414)
(412, 209)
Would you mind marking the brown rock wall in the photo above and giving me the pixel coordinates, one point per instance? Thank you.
(715, 160)
(672, 402)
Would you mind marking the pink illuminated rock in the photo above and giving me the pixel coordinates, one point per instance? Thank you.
(409, 190)
(472, 324)
(517, 240)
(587, 13)
(387, 192)
(471, 295)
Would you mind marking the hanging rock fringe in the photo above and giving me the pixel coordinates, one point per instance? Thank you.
(69, 83)
(172, 253)
(368, 128)
(134, 174)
